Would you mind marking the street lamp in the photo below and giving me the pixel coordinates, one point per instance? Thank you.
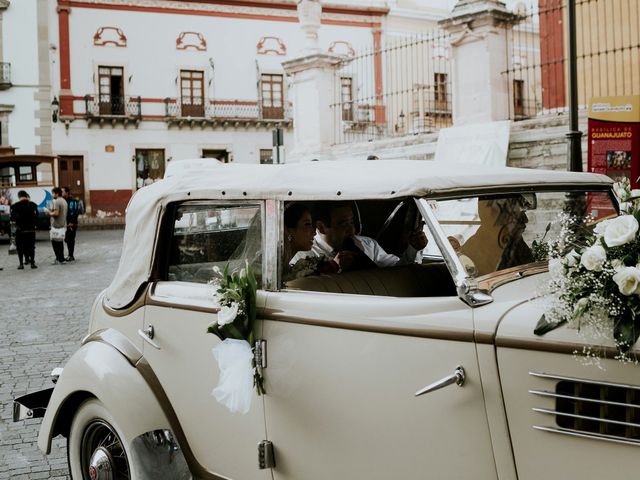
(55, 109)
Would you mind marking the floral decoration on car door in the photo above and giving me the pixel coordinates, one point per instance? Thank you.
(234, 325)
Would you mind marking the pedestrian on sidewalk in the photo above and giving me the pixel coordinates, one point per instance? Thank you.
(74, 210)
(24, 214)
(58, 214)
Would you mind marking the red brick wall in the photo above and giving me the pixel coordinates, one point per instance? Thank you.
(109, 201)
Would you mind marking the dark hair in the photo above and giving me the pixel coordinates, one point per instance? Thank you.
(23, 194)
(56, 190)
(373, 157)
(293, 213)
(66, 189)
(322, 212)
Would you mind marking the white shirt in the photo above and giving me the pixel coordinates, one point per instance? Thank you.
(370, 248)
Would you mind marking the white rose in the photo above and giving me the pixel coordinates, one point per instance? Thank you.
(593, 258)
(628, 280)
(572, 258)
(227, 314)
(621, 230)
(601, 227)
(556, 268)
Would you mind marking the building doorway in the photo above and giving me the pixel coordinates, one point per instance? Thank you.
(71, 174)
(111, 90)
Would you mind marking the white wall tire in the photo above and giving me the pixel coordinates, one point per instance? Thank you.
(94, 433)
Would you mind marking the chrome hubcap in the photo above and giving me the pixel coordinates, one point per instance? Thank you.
(103, 456)
(101, 465)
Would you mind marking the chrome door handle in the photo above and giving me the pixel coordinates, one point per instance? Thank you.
(456, 377)
(147, 335)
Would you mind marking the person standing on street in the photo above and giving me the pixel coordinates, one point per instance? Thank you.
(74, 210)
(58, 214)
(24, 213)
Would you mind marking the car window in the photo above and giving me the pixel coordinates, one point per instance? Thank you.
(493, 233)
(365, 249)
(208, 236)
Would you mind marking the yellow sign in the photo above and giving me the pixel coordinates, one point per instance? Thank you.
(615, 109)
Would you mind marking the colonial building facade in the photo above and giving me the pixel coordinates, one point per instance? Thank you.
(141, 84)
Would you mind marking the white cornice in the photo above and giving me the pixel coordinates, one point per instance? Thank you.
(433, 15)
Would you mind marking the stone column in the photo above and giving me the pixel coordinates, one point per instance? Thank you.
(478, 30)
(312, 90)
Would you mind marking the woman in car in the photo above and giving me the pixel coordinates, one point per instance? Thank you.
(299, 232)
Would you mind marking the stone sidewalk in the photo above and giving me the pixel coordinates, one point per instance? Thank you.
(44, 316)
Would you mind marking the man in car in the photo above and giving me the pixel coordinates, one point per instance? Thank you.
(336, 239)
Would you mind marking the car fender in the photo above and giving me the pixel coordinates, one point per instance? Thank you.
(105, 368)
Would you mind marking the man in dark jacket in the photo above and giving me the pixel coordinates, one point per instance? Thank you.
(74, 210)
(24, 213)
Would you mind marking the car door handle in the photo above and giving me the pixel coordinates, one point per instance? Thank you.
(456, 377)
(147, 335)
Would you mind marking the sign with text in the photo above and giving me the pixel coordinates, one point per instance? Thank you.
(614, 137)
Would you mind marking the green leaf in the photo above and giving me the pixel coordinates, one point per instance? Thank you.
(215, 329)
(543, 326)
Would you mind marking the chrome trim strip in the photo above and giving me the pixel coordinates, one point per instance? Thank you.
(592, 436)
(305, 318)
(574, 379)
(585, 417)
(544, 393)
(272, 215)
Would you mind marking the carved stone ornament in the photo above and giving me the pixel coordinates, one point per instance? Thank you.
(109, 36)
(341, 48)
(193, 40)
(271, 45)
(4, 4)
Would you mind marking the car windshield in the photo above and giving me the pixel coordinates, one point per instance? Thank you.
(493, 233)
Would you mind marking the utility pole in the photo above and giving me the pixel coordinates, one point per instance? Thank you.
(574, 147)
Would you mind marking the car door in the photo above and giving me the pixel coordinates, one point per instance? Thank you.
(342, 375)
(179, 308)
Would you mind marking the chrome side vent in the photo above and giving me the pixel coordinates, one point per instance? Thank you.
(592, 409)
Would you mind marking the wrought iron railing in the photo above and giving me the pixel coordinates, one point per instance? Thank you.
(113, 106)
(608, 48)
(400, 88)
(5, 74)
(224, 110)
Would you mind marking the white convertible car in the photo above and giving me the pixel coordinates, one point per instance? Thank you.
(427, 369)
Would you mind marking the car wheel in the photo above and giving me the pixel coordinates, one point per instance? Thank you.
(95, 448)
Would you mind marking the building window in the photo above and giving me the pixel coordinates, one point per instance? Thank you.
(266, 156)
(440, 91)
(346, 98)
(272, 96)
(220, 155)
(110, 90)
(149, 166)
(518, 98)
(192, 93)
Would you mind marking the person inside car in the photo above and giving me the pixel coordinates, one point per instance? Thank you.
(336, 240)
(299, 232)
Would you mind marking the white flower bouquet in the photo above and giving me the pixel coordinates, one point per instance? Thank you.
(597, 284)
(234, 325)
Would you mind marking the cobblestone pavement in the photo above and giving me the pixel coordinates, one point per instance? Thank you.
(44, 316)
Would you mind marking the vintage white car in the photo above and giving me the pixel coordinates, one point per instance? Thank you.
(420, 369)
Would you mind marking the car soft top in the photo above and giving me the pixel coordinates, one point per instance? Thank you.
(326, 180)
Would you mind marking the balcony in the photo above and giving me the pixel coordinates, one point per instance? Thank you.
(113, 109)
(224, 113)
(5, 75)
